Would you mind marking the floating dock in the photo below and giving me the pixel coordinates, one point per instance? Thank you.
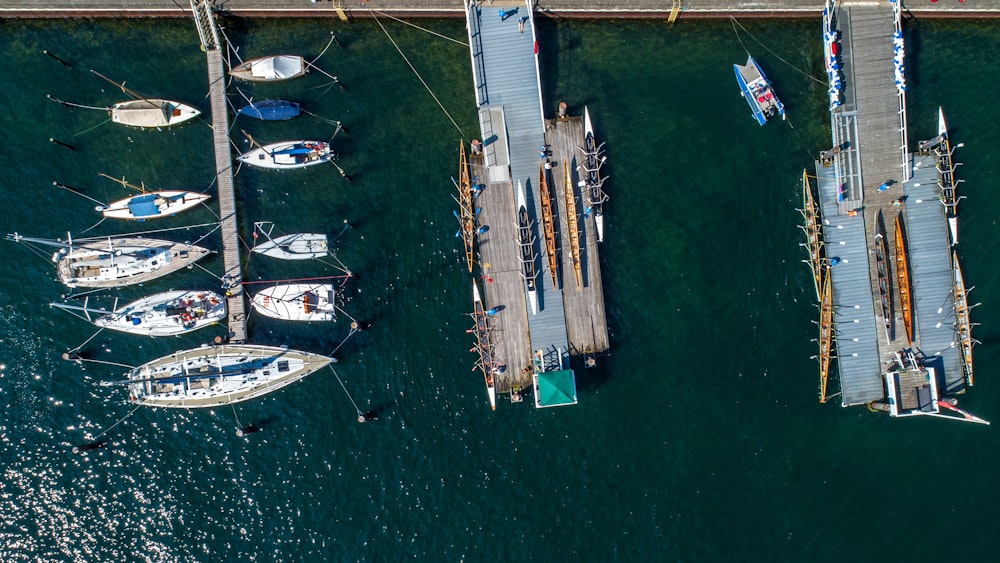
(208, 34)
(893, 293)
(518, 143)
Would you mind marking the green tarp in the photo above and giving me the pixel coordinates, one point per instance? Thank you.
(555, 388)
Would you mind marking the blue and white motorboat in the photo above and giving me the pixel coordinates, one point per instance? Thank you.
(758, 91)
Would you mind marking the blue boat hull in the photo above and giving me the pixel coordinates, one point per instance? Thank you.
(271, 110)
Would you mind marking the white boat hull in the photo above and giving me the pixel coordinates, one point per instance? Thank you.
(218, 376)
(270, 69)
(170, 313)
(152, 113)
(288, 154)
(123, 261)
(153, 205)
(297, 246)
(297, 302)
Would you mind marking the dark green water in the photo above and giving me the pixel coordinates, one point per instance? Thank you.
(699, 438)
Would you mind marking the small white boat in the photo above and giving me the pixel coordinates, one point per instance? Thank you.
(150, 113)
(117, 262)
(297, 302)
(218, 376)
(288, 154)
(758, 91)
(152, 205)
(297, 246)
(167, 314)
(270, 69)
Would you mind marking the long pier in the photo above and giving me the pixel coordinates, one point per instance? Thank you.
(224, 169)
(870, 185)
(518, 145)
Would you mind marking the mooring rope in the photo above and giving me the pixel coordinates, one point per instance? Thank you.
(422, 29)
(391, 40)
(769, 50)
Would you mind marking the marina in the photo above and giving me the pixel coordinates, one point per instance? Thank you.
(697, 257)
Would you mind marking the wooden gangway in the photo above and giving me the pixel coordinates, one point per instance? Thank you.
(208, 34)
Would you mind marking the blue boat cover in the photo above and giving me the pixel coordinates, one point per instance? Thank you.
(271, 110)
(143, 206)
(297, 149)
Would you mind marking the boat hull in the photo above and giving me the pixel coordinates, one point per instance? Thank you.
(297, 246)
(758, 91)
(288, 154)
(271, 110)
(123, 261)
(270, 69)
(297, 302)
(217, 376)
(153, 205)
(149, 114)
(170, 313)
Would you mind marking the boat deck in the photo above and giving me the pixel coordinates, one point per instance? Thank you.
(224, 172)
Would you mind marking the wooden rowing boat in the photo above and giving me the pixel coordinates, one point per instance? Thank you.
(812, 228)
(466, 218)
(962, 319)
(548, 226)
(882, 276)
(903, 280)
(825, 334)
(574, 232)
(484, 345)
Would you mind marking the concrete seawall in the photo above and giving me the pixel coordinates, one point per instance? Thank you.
(647, 9)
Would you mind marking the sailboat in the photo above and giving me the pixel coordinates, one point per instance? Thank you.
(117, 261)
(296, 246)
(148, 112)
(218, 376)
(526, 240)
(150, 205)
(592, 181)
(270, 69)
(169, 313)
(288, 154)
(271, 110)
(309, 302)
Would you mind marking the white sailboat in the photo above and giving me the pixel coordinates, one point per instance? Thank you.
(297, 302)
(169, 313)
(270, 69)
(117, 261)
(297, 246)
(152, 113)
(288, 154)
(218, 376)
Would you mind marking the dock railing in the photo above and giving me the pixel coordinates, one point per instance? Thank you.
(904, 148)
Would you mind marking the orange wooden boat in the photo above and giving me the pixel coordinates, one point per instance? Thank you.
(548, 226)
(903, 280)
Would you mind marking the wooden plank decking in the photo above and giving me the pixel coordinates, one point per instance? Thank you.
(227, 196)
